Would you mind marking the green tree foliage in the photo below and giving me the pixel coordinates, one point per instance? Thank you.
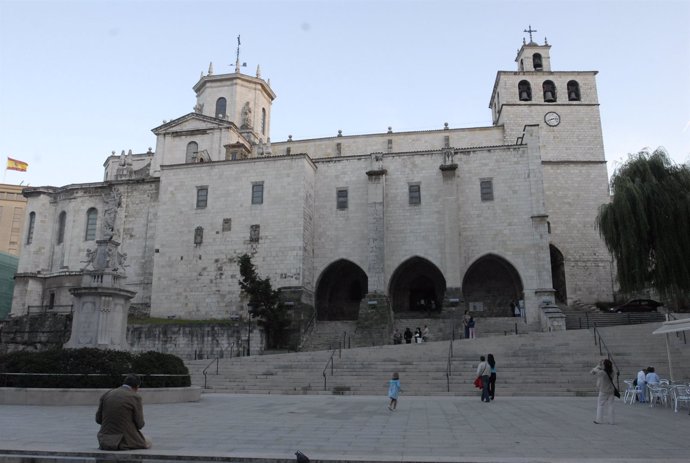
(264, 302)
(647, 224)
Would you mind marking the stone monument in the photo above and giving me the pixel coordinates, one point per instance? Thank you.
(101, 304)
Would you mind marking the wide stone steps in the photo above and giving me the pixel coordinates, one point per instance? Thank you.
(555, 364)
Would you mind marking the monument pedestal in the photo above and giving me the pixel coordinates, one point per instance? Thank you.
(101, 305)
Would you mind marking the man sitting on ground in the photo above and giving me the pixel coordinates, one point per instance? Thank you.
(121, 416)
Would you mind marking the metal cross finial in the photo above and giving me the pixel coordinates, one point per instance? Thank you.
(238, 48)
(530, 30)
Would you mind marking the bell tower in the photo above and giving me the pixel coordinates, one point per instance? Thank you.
(565, 105)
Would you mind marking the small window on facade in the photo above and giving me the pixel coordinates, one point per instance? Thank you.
(536, 61)
(263, 121)
(390, 145)
(198, 235)
(288, 150)
(486, 188)
(573, 91)
(201, 197)
(341, 198)
(338, 149)
(522, 65)
(549, 91)
(227, 225)
(414, 194)
(254, 233)
(62, 218)
(91, 220)
(525, 91)
(51, 301)
(221, 107)
(30, 228)
(446, 141)
(192, 150)
(548, 227)
(258, 193)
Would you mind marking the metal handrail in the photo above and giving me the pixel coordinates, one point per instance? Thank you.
(307, 330)
(330, 361)
(449, 362)
(217, 359)
(598, 340)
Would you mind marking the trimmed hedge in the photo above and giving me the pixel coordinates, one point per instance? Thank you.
(90, 368)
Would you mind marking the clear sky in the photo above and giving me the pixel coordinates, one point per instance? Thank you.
(79, 79)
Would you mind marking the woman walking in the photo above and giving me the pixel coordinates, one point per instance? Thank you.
(492, 379)
(603, 372)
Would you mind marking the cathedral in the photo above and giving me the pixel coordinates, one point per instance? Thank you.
(452, 219)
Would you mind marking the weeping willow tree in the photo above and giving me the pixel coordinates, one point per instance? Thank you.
(646, 226)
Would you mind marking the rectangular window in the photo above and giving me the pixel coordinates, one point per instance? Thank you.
(254, 233)
(341, 198)
(201, 197)
(30, 231)
(415, 194)
(338, 149)
(91, 221)
(258, 193)
(486, 188)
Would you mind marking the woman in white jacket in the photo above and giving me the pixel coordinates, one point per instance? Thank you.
(604, 372)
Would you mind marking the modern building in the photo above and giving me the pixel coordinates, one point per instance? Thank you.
(394, 222)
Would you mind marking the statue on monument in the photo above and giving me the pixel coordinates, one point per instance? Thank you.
(112, 202)
(246, 116)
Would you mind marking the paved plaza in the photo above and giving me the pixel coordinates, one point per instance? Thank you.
(361, 428)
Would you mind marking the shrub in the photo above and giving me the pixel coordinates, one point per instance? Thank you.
(90, 368)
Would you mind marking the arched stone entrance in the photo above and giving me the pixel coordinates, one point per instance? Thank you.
(417, 285)
(340, 289)
(490, 284)
(558, 273)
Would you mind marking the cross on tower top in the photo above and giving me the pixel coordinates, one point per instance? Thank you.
(530, 30)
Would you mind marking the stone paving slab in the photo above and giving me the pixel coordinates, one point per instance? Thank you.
(270, 428)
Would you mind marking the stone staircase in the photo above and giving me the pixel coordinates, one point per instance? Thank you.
(327, 335)
(582, 316)
(534, 364)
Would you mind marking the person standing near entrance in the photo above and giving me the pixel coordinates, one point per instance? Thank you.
(466, 323)
(471, 324)
(408, 336)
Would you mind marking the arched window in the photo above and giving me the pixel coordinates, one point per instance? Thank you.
(525, 91)
(221, 107)
(192, 150)
(263, 121)
(62, 218)
(536, 61)
(91, 221)
(30, 228)
(522, 65)
(573, 91)
(549, 91)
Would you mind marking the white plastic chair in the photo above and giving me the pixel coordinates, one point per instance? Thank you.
(657, 394)
(681, 394)
(631, 392)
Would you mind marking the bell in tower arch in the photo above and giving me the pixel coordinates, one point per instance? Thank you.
(548, 96)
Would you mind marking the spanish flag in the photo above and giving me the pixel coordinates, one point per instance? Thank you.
(13, 164)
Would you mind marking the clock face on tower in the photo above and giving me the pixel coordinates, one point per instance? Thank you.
(552, 119)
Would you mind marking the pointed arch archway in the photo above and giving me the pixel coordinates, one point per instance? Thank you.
(417, 285)
(558, 273)
(491, 283)
(339, 291)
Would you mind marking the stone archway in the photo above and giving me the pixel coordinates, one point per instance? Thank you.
(558, 273)
(340, 289)
(490, 284)
(417, 285)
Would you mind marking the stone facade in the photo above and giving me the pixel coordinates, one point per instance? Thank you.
(426, 220)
